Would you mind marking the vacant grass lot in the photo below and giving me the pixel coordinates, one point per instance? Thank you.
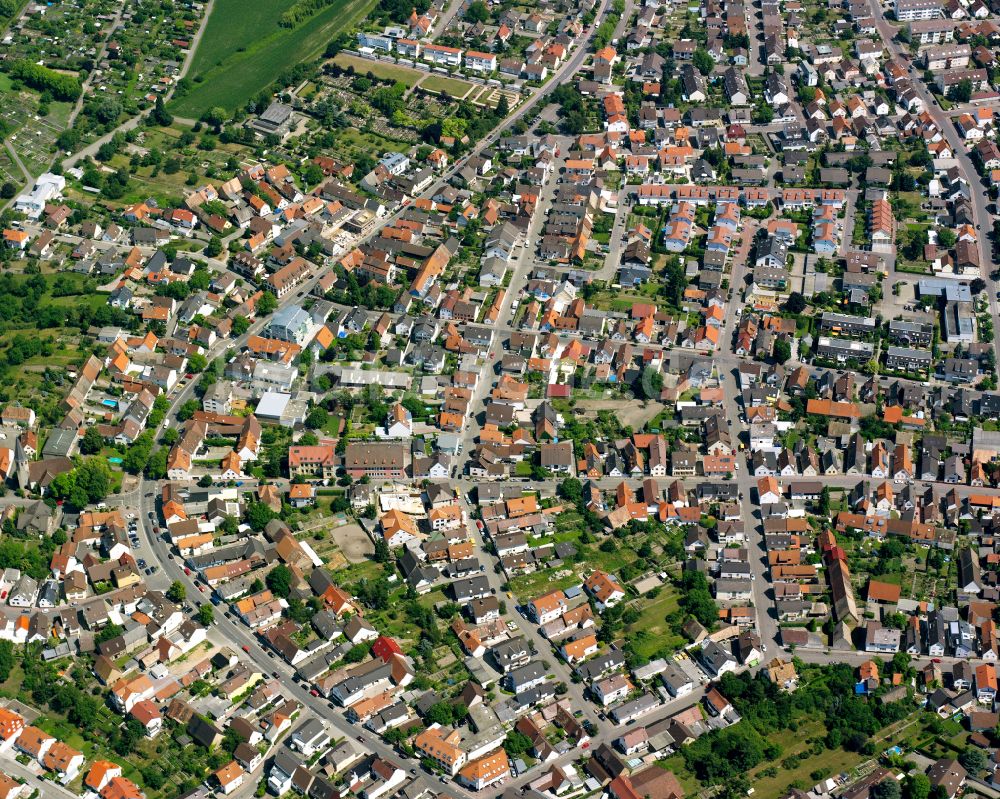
(380, 69)
(243, 50)
(444, 85)
(651, 636)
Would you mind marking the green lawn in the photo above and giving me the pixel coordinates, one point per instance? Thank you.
(243, 50)
(651, 635)
(526, 587)
(445, 85)
(379, 69)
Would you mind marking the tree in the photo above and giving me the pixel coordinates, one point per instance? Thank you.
(782, 351)
(317, 418)
(240, 325)
(516, 744)
(824, 502)
(159, 114)
(356, 654)
(886, 789)
(214, 247)
(206, 615)
(258, 515)
(92, 441)
(382, 552)
(7, 660)
(946, 238)
(197, 363)
(188, 409)
(571, 490)
(763, 114)
(267, 304)
(279, 580)
(702, 61)
(8, 190)
(215, 116)
(978, 285)
(697, 598)
(650, 383)
(177, 592)
(972, 759)
(477, 12)
(916, 786)
(205, 481)
(961, 92)
(795, 303)
(441, 713)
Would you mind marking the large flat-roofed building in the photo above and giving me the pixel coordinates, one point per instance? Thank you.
(910, 333)
(910, 10)
(846, 324)
(47, 188)
(958, 322)
(907, 358)
(276, 119)
(841, 350)
(290, 323)
(933, 31)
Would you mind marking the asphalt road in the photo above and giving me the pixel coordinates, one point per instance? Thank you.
(982, 219)
(146, 495)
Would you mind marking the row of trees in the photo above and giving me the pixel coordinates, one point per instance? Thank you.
(43, 79)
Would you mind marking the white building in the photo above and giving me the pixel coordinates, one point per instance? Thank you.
(47, 188)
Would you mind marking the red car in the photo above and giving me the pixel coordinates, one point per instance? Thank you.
(314, 692)
(935, 660)
(187, 571)
(246, 649)
(201, 588)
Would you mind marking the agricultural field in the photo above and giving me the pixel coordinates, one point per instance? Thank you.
(235, 60)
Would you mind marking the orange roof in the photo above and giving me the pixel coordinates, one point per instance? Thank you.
(121, 788)
(825, 407)
(324, 337)
(602, 586)
(15, 236)
(986, 676)
(231, 461)
(486, 769)
(229, 773)
(442, 748)
(882, 592)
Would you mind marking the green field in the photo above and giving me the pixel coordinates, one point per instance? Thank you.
(651, 636)
(243, 50)
(405, 75)
(444, 85)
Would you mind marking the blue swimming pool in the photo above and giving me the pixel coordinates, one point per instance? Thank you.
(110, 403)
(114, 460)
